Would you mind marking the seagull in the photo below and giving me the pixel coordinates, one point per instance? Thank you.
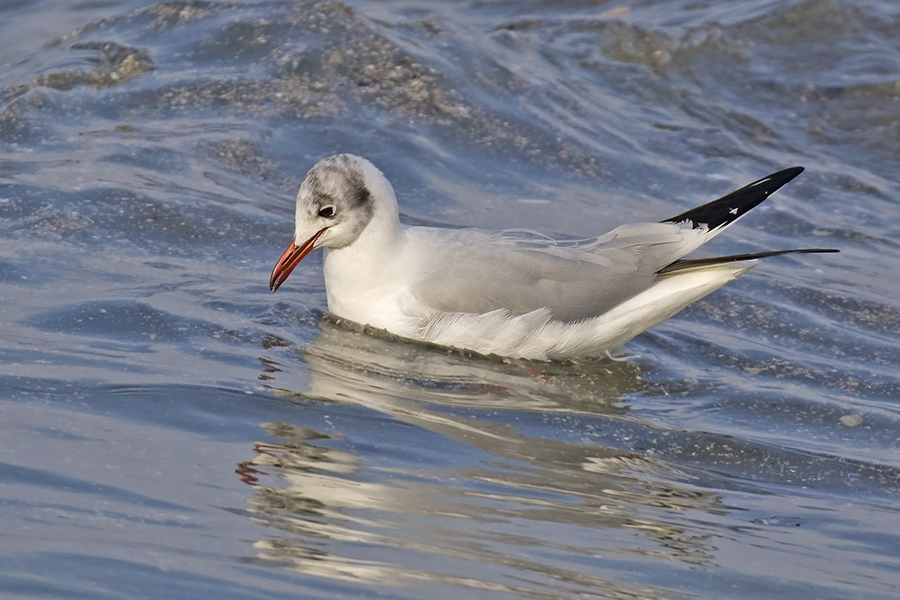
(513, 293)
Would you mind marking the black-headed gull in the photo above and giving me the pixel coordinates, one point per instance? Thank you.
(513, 293)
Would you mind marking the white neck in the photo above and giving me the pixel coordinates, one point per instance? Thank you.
(355, 274)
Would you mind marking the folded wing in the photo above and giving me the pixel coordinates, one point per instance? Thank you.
(473, 271)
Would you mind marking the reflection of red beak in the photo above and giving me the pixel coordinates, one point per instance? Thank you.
(290, 259)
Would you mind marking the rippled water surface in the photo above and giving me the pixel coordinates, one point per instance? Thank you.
(171, 429)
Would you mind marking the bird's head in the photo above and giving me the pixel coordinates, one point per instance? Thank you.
(338, 199)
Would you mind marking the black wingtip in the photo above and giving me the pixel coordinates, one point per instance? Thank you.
(683, 264)
(728, 209)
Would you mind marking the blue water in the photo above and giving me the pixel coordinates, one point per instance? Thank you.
(171, 429)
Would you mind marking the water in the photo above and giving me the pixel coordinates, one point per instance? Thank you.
(171, 429)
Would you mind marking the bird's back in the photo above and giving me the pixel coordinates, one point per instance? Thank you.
(476, 271)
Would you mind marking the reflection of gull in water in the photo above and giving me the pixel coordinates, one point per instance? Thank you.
(512, 293)
(486, 496)
(386, 371)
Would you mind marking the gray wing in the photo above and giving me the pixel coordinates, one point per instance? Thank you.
(478, 271)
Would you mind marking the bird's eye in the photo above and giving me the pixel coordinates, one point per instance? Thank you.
(327, 212)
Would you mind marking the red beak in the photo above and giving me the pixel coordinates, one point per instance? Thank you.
(290, 259)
